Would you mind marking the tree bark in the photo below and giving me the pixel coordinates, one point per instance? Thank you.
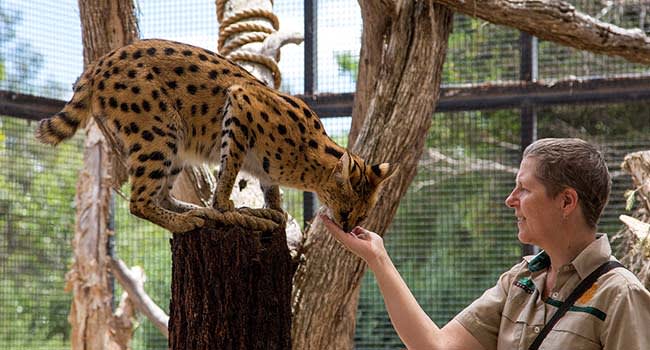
(372, 39)
(560, 22)
(105, 25)
(401, 62)
(231, 289)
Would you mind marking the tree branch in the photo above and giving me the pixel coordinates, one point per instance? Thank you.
(133, 283)
(275, 41)
(455, 167)
(639, 228)
(560, 22)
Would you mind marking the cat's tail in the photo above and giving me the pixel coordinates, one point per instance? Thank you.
(76, 112)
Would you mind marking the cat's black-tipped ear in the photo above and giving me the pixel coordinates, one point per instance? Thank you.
(379, 173)
(342, 169)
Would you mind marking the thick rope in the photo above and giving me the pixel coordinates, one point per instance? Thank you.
(241, 27)
(248, 218)
(242, 40)
(277, 216)
(261, 59)
(251, 13)
(232, 25)
(221, 5)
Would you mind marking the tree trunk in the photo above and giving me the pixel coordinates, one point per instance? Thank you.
(633, 247)
(558, 21)
(403, 51)
(231, 289)
(106, 25)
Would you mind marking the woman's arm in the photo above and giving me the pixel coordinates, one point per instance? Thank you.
(412, 324)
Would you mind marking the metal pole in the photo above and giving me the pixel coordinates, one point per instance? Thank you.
(309, 201)
(110, 246)
(528, 116)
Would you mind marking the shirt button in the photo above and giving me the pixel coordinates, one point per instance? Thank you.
(536, 329)
(555, 295)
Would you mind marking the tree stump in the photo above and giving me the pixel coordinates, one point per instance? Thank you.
(231, 289)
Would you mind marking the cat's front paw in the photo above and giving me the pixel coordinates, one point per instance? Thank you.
(223, 206)
(186, 222)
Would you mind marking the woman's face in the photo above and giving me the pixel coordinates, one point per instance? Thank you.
(538, 215)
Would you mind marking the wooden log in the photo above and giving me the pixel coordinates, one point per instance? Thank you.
(231, 289)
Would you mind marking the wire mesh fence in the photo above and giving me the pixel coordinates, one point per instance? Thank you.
(452, 235)
(40, 47)
(560, 62)
(479, 52)
(37, 189)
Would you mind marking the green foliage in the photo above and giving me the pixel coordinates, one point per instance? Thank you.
(8, 21)
(37, 188)
(20, 63)
(478, 51)
(348, 63)
(621, 120)
(630, 196)
(27, 64)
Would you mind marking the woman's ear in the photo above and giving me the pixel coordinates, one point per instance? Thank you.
(569, 198)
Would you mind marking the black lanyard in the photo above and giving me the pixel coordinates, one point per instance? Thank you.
(584, 285)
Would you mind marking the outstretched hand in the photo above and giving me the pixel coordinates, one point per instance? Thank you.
(366, 244)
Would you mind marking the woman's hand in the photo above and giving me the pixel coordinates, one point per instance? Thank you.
(366, 244)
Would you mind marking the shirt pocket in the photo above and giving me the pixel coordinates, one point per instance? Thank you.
(510, 334)
(561, 339)
(575, 330)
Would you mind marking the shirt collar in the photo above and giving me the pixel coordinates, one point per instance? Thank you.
(595, 254)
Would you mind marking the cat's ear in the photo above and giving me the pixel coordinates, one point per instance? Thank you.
(341, 171)
(379, 173)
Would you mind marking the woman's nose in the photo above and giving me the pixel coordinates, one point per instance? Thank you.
(511, 200)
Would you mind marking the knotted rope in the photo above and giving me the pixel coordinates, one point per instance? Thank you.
(247, 33)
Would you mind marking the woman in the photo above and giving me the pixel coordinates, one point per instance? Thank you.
(561, 189)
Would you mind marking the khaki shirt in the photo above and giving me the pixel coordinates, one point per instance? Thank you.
(613, 314)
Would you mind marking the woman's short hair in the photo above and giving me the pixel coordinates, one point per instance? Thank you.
(572, 162)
